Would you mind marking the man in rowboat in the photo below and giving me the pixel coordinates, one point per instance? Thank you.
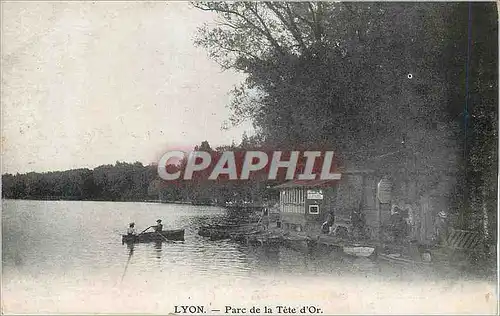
(159, 227)
(131, 229)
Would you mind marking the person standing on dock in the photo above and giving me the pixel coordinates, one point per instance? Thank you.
(399, 226)
(264, 218)
(441, 227)
(330, 220)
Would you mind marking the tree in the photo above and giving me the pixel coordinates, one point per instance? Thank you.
(328, 73)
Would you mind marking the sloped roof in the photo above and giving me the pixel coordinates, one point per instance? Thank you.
(322, 183)
(305, 184)
(355, 171)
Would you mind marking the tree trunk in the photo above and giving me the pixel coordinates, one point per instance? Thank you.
(485, 214)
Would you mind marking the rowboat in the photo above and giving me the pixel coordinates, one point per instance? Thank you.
(359, 251)
(214, 233)
(398, 258)
(174, 235)
(221, 232)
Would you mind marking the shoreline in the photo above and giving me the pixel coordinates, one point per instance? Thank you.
(117, 201)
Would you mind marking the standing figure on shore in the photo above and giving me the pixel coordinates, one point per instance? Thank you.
(265, 218)
(441, 226)
(399, 226)
(329, 221)
(358, 222)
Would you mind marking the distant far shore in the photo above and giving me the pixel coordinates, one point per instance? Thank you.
(107, 200)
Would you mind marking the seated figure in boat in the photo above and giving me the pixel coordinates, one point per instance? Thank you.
(131, 229)
(159, 226)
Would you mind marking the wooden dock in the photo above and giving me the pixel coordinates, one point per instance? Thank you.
(260, 235)
(230, 231)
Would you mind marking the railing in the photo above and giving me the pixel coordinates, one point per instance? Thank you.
(462, 240)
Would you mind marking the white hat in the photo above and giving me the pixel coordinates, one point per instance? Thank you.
(442, 214)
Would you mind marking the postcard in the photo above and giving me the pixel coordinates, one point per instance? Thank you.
(249, 158)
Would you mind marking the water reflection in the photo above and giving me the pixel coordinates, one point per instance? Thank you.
(130, 247)
(266, 258)
(272, 254)
(158, 247)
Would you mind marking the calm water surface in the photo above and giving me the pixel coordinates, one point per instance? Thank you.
(67, 257)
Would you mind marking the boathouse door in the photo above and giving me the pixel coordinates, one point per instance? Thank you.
(292, 206)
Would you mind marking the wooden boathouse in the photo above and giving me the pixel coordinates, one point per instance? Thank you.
(305, 204)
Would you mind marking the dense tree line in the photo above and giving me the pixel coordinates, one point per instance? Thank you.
(122, 181)
(134, 182)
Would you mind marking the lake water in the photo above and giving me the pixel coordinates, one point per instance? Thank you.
(67, 257)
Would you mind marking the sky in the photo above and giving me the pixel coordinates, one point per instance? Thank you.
(92, 83)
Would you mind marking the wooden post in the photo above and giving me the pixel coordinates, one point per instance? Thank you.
(379, 210)
(379, 215)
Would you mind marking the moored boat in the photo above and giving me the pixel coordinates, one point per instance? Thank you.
(221, 232)
(359, 251)
(173, 235)
(400, 259)
(213, 233)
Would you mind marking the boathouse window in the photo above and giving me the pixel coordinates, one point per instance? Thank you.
(293, 200)
(313, 209)
(293, 196)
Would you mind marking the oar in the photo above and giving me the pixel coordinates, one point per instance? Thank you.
(164, 238)
(145, 230)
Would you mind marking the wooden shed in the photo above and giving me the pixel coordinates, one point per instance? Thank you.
(304, 204)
